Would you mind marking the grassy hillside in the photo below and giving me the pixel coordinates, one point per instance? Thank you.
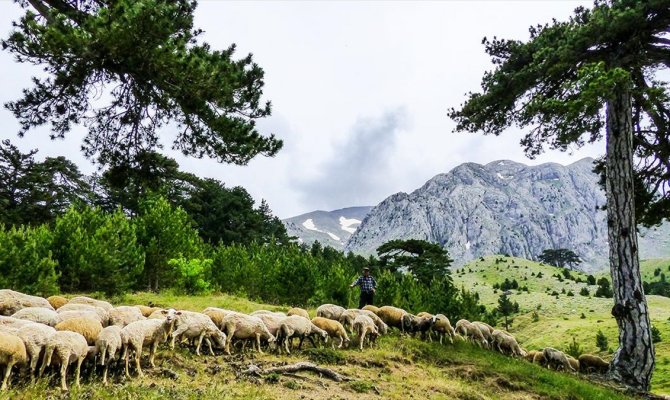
(560, 319)
(398, 368)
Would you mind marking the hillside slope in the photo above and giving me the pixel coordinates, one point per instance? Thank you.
(398, 368)
(559, 318)
(330, 228)
(504, 207)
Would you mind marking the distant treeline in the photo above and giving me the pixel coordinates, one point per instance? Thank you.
(157, 228)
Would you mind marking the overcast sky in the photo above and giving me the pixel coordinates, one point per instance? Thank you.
(360, 92)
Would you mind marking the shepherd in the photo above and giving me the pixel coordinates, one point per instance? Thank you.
(368, 286)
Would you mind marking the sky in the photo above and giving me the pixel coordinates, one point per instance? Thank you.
(359, 89)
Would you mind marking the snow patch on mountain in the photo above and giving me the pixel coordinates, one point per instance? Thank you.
(347, 224)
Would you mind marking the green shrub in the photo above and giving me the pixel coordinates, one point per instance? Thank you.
(192, 275)
(655, 335)
(601, 341)
(574, 349)
(584, 292)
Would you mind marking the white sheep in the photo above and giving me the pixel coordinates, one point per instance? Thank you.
(16, 323)
(38, 314)
(35, 338)
(146, 332)
(556, 358)
(443, 327)
(261, 312)
(197, 326)
(69, 310)
(272, 322)
(381, 325)
(12, 352)
(506, 344)
(11, 301)
(470, 331)
(365, 327)
(297, 311)
(245, 327)
(92, 302)
(69, 347)
(334, 329)
(348, 316)
(330, 311)
(124, 315)
(217, 315)
(108, 344)
(300, 327)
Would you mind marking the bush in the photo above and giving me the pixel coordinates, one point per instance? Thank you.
(601, 341)
(536, 316)
(574, 349)
(582, 316)
(655, 335)
(604, 289)
(570, 293)
(584, 292)
(591, 280)
(193, 275)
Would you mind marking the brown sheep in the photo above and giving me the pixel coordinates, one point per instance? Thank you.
(589, 363)
(574, 363)
(539, 359)
(394, 317)
(12, 352)
(556, 359)
(57, 301)
(372, 308)
(298, 311)
(334, 329)
(530, 355)
(89, 328)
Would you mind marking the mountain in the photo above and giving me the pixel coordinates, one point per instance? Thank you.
(504, 207)
(330, 228)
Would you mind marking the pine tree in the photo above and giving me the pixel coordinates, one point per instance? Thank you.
(506, 309)
(601, 341)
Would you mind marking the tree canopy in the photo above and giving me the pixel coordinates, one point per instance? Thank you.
(126, 68)
(559, 257)
(423, 259)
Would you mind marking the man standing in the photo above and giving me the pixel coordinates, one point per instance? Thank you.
(368, 286)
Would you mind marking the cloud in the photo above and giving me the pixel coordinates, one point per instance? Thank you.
(356, 172)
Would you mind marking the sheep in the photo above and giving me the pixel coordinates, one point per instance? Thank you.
(334, 330)
(218, 314)
(472, 332)
(35, 338)
(589, 363)
(297, 311)
(88, 327)
(91, 302)
(38, 314)
(124, 315)
(574, 363)
(194, 325)
(330, 311)
(9, 322)
(297, 326)
(486, 330)
(147, 310)
(69, 310)
(381, 326)
(348, 316)
(372, 308)
(394, 317)
(12, 352)
(424, 314)
(365, 327)
(443, 327)
(57, 301)
(539, 359)
(261, 312)
(506, 343)
(69, 347)
(146, 332)
(11, 302)
(272, 322)
(556, 358)
(108, 343)
(242, 326)
(530, 355)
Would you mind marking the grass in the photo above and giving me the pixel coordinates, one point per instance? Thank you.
(560, 318)
(397, 368)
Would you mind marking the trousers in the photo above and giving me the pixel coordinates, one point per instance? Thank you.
(365, 299)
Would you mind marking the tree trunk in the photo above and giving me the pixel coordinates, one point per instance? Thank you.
(633, 362)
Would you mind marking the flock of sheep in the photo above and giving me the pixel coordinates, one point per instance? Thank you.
(64, 332)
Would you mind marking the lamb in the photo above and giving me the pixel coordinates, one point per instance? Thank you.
(472, 332)
(57, 301)
(108, 343)
(88, 327)
(365, 328)
(395, 317)
(298, 311)
(348, 316)
(443, 327)
(381, 326)
(334, 330)
(11, 302)
(193, 325)
(506, 343)
(12, 352)
(372, 308)
(35, 338)
(589, 363)
(297, 326)
(69, 347)
(70, 309)
(146, 332)
(91, 302)
(556, 358)
(242, 326)
(124, 315)
(330, 311)
(38, 314)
